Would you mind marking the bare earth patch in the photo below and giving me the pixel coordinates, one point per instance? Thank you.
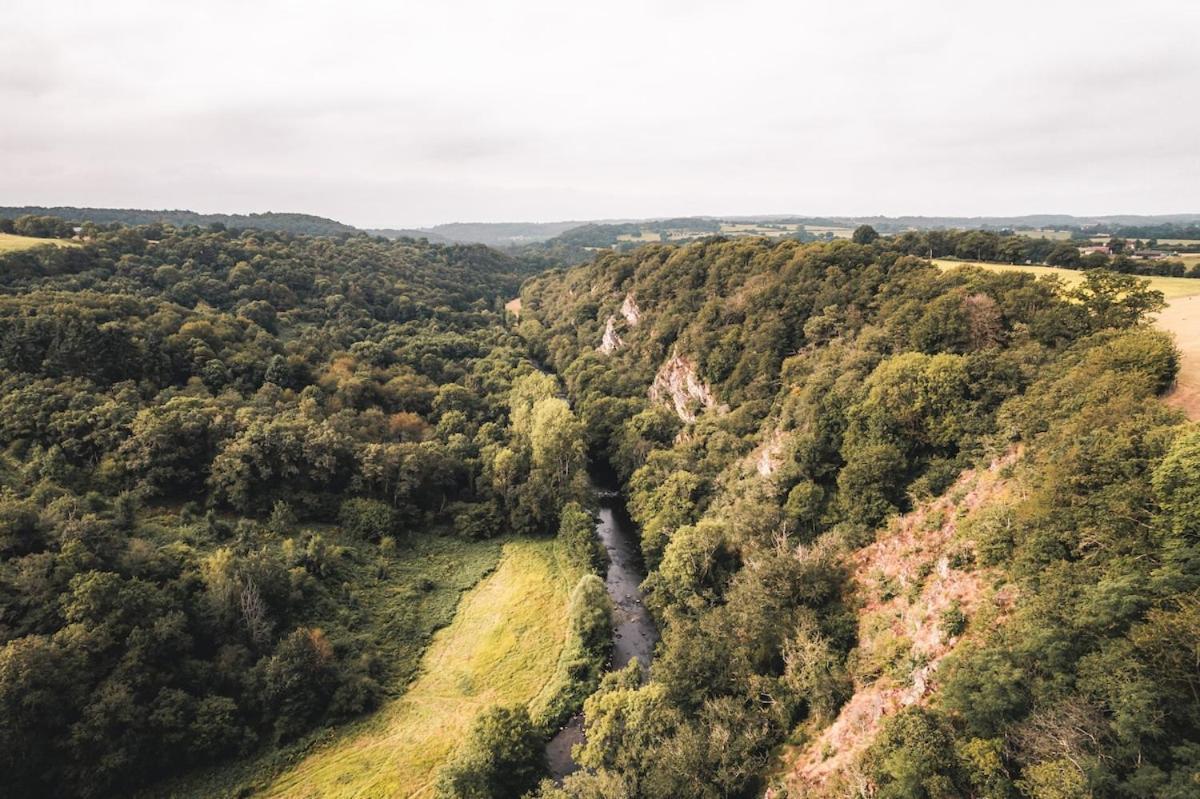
(1182, 317)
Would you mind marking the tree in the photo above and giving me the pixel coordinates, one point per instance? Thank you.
(1112, 299)
(502, 757)
(864, 234)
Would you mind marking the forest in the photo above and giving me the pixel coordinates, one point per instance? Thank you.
(219, 445)
(216, 447)
(808, 395)
(282, 222)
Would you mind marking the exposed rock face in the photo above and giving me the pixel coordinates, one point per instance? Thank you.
(677, 384)
(630, 310)
(611, 342)
(907, 583)
(768, 456)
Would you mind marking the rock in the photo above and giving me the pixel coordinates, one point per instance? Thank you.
(611, 342)
(630, 310)
(678, 384)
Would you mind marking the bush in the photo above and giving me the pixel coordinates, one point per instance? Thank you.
(502, 757)
(368, 519)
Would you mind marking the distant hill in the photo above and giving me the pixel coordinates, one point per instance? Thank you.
(409, 233)
(283, 222)
(493, 234)
(501, 234)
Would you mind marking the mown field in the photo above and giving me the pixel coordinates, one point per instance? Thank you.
(503, 646)
(11, 242)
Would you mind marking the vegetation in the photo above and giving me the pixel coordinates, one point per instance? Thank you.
(499, 657)
(11, 242)
(832, 386)
(299, 224)
(220, 453)
(245, 477)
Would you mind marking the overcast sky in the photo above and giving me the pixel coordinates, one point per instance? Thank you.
(403, 113)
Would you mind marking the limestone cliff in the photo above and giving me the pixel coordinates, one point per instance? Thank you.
(630, 310)
(678, 384)
(611, 341)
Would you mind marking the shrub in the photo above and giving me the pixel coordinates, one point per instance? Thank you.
(502, 757)
(368, 519)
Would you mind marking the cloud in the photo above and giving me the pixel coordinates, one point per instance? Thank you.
(411, 113)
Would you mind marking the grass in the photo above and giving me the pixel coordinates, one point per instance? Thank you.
(402, 609)
(11, 242)
(1046, 233)
(502, 646)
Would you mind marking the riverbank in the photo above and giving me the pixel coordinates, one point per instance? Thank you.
(634, 631)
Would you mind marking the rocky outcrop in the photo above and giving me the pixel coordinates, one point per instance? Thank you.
(611, 341)
(769, 455)
(630, 310)
(678, 385)
(908, 579)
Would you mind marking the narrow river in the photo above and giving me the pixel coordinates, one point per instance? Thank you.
(634, 633)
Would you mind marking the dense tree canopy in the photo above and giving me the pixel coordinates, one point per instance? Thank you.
(186, 414)
(849, 381)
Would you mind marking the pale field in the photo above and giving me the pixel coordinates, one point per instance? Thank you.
(1044, 233)
(502, 647)
(1181, 318)
(643, 236)
(10, 242)
(838, 232)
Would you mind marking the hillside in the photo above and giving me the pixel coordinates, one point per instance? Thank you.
(245, 477)
(910, 533)
(283, 222)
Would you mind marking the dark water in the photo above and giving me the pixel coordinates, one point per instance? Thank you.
(634, 633)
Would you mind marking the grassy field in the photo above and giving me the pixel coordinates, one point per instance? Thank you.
(642, 236)
(838, 232)
(503, 645)
(10, 242)
(406, 610)
(1046, 233)
(1171, 287)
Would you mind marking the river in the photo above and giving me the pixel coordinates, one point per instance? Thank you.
(634, 632)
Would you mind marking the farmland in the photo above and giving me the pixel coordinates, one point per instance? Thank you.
(11, 242)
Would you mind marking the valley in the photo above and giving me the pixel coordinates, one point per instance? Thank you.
(298, 516)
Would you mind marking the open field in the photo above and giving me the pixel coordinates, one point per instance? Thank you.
(406, 609)
(1045, 233)
(1181, 317)
(11, 242)
(642, 236)
(503, 646)
(838, 232)
(1177, 242)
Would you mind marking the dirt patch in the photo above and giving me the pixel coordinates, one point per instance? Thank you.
(1182, 317)
(514, 307)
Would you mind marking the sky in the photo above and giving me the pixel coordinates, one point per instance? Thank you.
(403, 114)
